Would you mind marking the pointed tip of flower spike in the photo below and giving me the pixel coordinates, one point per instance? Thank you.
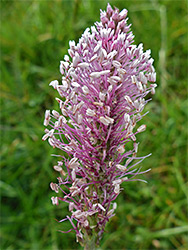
(109, 10)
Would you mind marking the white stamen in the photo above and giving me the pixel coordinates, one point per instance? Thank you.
(51, 142)
(79, 119)
(120, 167)
(72, 44)
(45, 137)
(62, 120)
(147, 53)
(111, 54)
(47, 118)
(135, 63)
(143, 79)
(127, 109)
(141, 128)
(61, 68)
(117, 189)
(153, 85)
(71, 206)
(93, 58)
(51, 132)
(135, 147)
(83, 65)
(67, 148)
(130, 129)
(65, 65)
(124, 179)
(101, 207)
(73, 74)
(73, 164)
(90, 112)
(117, 181)
(139, 86)
(57, 168)
(98, 103)
(102, 96)
(121, 149)
(54, 187)
(64, 112)
(64, 85)
(123, 13)
(55, 113)
(106, 120)
(54, 200)
(114, 79)
(75, 84)
(136, 104)
(110, 212)
(114, 205)
(116, 64)
(74, 193)
(127, 118)
(110, 88)
(104, 52)
(121, 71)
(152, 91)
(73, 174)
(85, 89)
(133, 137)
(54, 84)
(128, 99)
(98, 46)
(128, 161)
(133, 78)
(66, 58)
(99, 73)
(75, 60)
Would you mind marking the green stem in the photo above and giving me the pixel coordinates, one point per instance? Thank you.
(90, 243)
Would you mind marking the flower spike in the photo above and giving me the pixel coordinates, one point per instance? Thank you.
(105, 80)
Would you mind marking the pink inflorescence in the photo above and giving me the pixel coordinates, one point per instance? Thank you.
(105, 79)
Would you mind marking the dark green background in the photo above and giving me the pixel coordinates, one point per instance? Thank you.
(34, 38)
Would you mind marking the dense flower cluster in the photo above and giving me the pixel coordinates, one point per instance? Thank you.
(105, 79)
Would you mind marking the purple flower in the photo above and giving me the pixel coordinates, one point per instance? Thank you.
(105, 80)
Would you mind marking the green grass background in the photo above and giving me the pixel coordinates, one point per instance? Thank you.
(34, 38)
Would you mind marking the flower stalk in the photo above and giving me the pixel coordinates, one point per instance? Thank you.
(90, 242)
(105, 79)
